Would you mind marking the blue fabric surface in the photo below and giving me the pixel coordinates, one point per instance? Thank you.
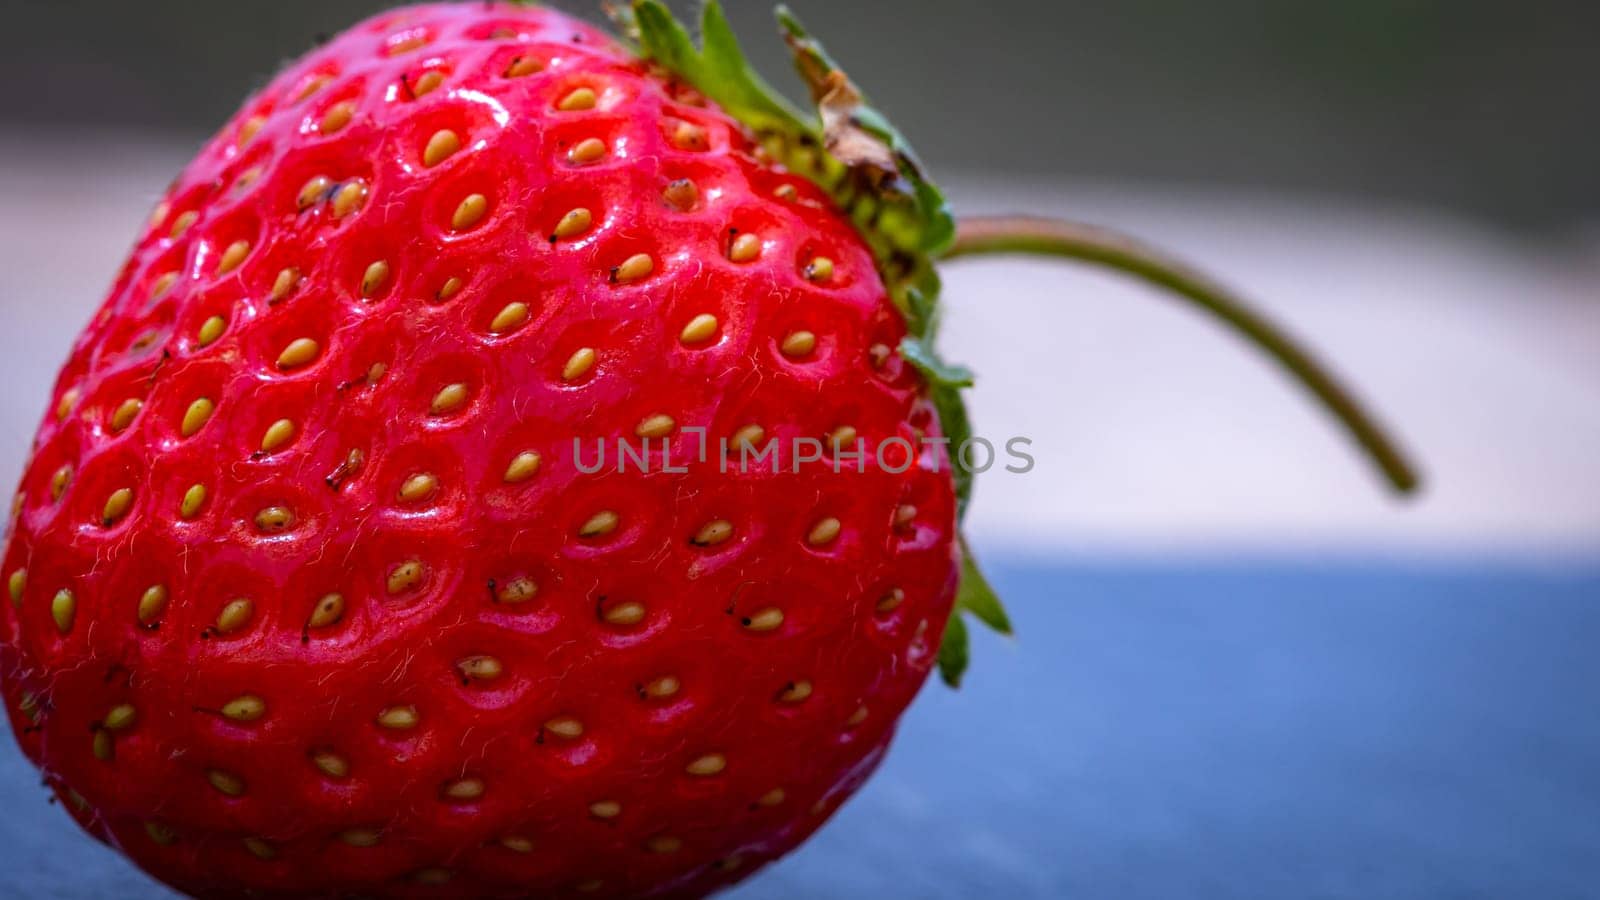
(1208, 731)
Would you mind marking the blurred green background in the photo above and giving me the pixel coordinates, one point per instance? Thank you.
(1479, 106)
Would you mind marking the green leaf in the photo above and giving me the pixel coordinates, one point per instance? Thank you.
(954, 651)
(977, 596)
(936, 370)
(864, 140)
(957, 427)
(719, 70)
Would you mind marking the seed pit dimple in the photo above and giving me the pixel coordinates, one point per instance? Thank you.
(626, 613)
(655, 426)
(407, 43)
(767, 619)
(196, 415)
(713, 533)
(797, 344)
(523, 466)
(890, 601)
(59, 481)
(232, 257)
(577, 100)
(904, 515)
(69, 402)
(578, 364)
(699, 330)
(517, 590)
(399, 718)
(330, 763)
(288, 279)
(183, 223)
(337, 117)
(298, 353)
(328, 611)
(664, 843)
(469, 212)
(574, 223)
(313, 84)
(662, 687)
(251, 127)
(116, 506)
(692, 137)
(418, 487)
(210, 330)
(521, 66)
(151, 604)
(120, 718)
(681, 194)
(795, 691)
(235, 615)
(441, 147)
(449, 399)
(744, 248)
(601, 523)
(450, 288)
(245, 708)
(511, 317)
(479, 668)
(824, 532)
(374, 278)
(565, 727)
(163, 284)
(586, 151)
(632, 269)
(277, 434)
(426, 83)
(314, 191)
(405, 576)
(226, 783)
(707, 765)
(350, 196)
(273, 519)
(463, 790)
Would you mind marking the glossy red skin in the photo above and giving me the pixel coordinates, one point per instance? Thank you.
(324, 688)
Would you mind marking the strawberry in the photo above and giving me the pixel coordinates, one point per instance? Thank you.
(322, 580)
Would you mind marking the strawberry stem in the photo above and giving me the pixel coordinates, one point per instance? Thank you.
(983, 235)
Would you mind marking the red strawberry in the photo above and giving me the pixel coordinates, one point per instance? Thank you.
(312, 592)
(316, 594)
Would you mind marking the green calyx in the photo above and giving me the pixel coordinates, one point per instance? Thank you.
(850, 150)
